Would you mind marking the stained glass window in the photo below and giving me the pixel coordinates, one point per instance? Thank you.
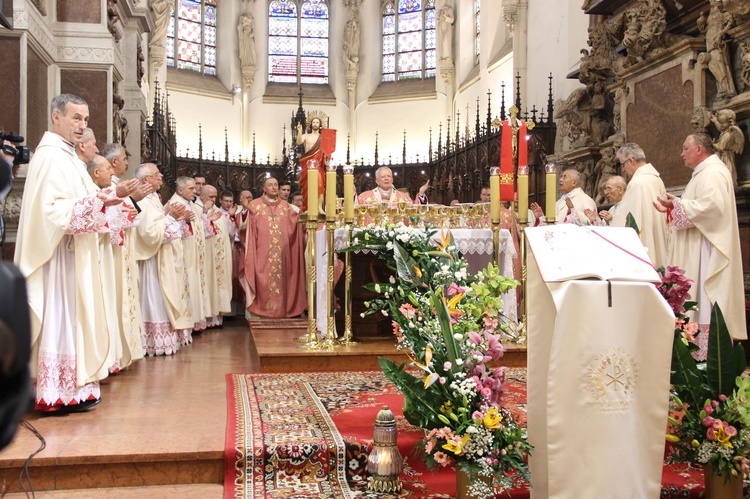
(409, 40)
(476, 31)
(191, 36)
(298, 41)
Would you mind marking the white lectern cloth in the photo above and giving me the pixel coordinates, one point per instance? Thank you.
(598, 387)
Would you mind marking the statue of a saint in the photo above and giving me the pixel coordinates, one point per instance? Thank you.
(313, 156)
(246, 32)
(731, 139)
(351, 42)
(161, 10)
(446, 17)
(715, 27)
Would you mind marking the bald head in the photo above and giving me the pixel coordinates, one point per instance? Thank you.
(614, 189)
(208, 196)
(100, 171)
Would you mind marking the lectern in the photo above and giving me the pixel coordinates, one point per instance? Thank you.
(599, 353)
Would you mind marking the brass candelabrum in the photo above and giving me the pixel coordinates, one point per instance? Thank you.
(330, 340)
(310, 340)
(348, 336)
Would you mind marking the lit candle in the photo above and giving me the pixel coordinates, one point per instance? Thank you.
(495, 194)
(523, 192)
(348, 193)
(312, 190)
(551, 191)
(331, 192)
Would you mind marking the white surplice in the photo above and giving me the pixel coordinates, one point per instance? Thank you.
(57, 250)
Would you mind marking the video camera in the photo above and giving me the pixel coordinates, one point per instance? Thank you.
(20, 153)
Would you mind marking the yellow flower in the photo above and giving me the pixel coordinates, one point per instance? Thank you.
(492, 419)
(447, 408)
(417, 272)
(722, 437)
(456, 448)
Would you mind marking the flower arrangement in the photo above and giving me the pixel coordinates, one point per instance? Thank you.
(450, 326)
(709, 418)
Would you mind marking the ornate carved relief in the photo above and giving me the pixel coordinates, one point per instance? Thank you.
(646, 32)
(85, 54)
(112, 17)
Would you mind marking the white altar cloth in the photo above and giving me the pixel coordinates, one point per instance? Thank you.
(475, 245)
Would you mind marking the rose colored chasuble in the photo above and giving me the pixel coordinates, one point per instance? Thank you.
(274, 260)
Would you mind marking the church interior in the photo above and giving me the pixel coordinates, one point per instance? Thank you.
(216, 88)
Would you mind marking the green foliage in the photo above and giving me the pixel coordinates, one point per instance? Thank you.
(725, 361)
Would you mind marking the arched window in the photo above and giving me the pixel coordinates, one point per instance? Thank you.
(191, 36)
(298, 41)
(409, 40)
(476, 31)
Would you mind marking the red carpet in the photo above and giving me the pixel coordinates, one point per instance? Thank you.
(307, 435)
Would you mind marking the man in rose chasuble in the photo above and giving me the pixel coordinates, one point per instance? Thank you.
(274, 283)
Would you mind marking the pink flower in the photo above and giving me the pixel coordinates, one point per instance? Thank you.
(408, 311)
(442, 458)
(430, 445)
(455, 289)
(723, 397)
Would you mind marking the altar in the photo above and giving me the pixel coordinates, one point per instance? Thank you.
(475, 245)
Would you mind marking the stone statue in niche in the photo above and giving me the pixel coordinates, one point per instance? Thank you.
(117, 119)
(145, 142)
(745, 59)
(585, 169)
(161, 9)
(731, 140)
(246, 32)
(700, 120)
(140, 68)
(112, 16)
(446, 18)
(352, 41)
(716, 56)
(584, 111)
(605, 168)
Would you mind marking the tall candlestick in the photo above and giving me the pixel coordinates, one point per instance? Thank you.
(551, 192)
(312, 190)
(495, 194)
(523, 192)
(348, 193)
(331, 192)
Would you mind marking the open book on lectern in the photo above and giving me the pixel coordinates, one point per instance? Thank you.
(565, 252)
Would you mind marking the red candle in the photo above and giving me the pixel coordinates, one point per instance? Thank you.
(506, 163)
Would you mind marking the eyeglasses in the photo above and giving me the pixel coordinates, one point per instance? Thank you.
(623, 163)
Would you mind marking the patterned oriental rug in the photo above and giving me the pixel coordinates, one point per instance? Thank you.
(307, 435)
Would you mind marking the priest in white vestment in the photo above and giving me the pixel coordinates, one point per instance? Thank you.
(645, 185)
(57, 251)
(706, 240)
(126, 267)
(193, 244)
(217, 264)
(163, 280)
(614, 190)
(572, 205)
